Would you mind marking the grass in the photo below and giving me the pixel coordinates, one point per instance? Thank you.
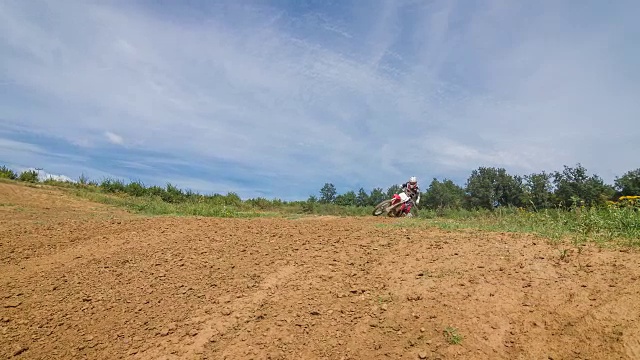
(452, 336)
(154, 200)
(212, 207)
(602, 225)
(579, 224)
(156, 206)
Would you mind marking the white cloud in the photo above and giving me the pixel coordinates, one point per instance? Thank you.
(43, 175)
(46, 176)
(405, 87)
(114, 138)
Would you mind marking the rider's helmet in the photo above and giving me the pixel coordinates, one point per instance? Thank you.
(413, 183)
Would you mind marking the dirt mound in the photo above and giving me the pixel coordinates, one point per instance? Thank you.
(80, 280)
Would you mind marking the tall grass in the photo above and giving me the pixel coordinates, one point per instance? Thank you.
(155, 205)
(215, 206)
(578, 224)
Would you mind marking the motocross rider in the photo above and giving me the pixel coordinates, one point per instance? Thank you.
(413, 191)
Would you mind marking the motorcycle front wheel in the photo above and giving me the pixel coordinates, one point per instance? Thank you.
(381, 208)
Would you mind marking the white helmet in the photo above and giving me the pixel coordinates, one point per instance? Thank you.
(413, 183)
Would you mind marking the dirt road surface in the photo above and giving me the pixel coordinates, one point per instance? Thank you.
(80, 280)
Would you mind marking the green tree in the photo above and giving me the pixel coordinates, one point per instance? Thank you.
(362, 199)
(377, 195)
(346, 199)
(327, 193)
(512, 190)
(445, 194)
(575, 187)
(538, 190)
(393, 189)
(489, 187)
(628, 184)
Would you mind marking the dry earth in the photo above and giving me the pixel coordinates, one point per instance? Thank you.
(83, 280)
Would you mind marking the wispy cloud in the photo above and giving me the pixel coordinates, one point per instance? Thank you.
(275, 100)
(114, 138)
(11, 145)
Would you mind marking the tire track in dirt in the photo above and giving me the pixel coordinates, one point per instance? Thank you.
(294, 321)
(522, 300)
(219, 323)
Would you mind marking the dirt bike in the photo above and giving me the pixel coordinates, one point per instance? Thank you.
(395, 206)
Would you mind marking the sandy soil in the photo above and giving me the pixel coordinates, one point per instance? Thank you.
(83, 280)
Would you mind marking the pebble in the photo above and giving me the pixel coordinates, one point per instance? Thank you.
(422, 355)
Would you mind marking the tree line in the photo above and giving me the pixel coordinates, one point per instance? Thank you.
(491, 187)
(485, 188)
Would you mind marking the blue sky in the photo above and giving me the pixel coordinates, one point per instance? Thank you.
(275, 98)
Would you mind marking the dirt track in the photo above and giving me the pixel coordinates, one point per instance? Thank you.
(81, 280)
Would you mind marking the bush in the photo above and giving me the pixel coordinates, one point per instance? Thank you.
(308, 207)
(29, 176)
(173, 195)
(156, 191)
(260, 203)
(135, 188)
(112, 186)
(232, 199)
(6, 173)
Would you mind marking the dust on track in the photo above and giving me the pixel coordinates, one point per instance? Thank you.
(84, 280)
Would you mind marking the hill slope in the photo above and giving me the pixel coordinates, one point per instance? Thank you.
(80, 279)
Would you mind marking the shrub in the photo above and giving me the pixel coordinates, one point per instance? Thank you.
(29, 176)
(172, 194)
(112, 186)
(135, 188)
(6, 173)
